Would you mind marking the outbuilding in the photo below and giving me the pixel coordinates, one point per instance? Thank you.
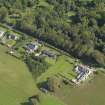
(12, 37)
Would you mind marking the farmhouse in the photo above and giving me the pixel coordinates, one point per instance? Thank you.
(83, 73)
(48, 53)
(12, 37)
(1, 33)
(31, 47)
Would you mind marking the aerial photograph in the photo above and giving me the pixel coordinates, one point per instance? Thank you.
(52, 52)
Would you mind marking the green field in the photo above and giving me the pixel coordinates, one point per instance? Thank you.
(17, 84)
(92, 93)
(50, 100)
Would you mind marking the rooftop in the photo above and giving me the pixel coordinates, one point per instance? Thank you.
(31, 46)
(48, 53)
(13, 37)
(1, 33)
(82, 68)
(83, 72)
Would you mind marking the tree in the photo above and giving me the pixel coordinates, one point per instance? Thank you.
(53, 83)
(99, 57)
(3, 13)
(37, 65)
(17, 5)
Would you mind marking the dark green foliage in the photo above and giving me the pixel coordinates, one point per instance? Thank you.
(37, 65)
(75, 26)
(53, 83)
(3, 13)
(99, 57)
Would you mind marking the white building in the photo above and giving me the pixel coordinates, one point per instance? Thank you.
(1, 33)
(83, 73)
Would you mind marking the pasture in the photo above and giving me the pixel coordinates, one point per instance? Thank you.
(50, 100)
(17, 84)
(92, 93)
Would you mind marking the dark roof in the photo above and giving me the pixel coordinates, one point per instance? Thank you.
(48, 53)
(80, 76)
(82, 69)
(12, 36)
(31, 46)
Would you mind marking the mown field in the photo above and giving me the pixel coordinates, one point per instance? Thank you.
(17, 84)
(50, 100)
(92, 93)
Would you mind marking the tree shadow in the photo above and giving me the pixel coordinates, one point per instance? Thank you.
(31, 99)
(43, 85)
(89, 61)
(26, 103)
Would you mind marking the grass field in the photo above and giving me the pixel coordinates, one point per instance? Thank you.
(51, 100)
(92, 93)
(17, 84)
